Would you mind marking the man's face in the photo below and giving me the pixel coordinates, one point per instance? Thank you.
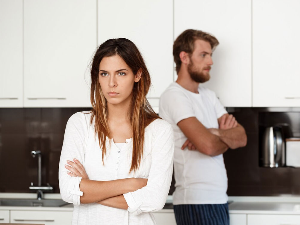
(200, 61)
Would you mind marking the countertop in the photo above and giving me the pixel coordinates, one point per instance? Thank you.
(265, 208)
(238, 205)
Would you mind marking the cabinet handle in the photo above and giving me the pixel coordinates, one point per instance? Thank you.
(1, 218)
(292, 97)
(8, 98)
(34, 220)
(46, 98)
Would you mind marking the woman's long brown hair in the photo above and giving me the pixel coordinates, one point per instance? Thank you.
(141, 112)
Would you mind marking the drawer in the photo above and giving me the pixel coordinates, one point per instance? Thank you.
(41, 217)
(273, 219)
(4, 216)
(238, 219)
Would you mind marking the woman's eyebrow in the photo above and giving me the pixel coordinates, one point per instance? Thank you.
(121, 70)
(116, 70)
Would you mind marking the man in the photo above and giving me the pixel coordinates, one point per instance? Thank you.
(203, 131)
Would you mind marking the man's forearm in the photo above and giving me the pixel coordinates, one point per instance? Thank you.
(115, 202)
(218, 147)
(234, 137)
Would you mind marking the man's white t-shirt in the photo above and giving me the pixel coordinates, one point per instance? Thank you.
(199, 178)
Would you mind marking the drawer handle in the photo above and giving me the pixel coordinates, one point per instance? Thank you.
(33, 220)
(1, 218)
(9, 98)
(46, 98)
(292, 97)
(289, 224)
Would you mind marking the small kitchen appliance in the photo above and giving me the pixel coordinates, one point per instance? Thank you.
(273, 147)
(293, 151)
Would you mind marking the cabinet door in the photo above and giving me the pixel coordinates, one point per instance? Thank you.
(4, 216)
(41, 217)
(59, 42)
(149, 25)
(276, 46)
(238, 219)
(165, 217)
(11, 53)
(273, 219)
(230, 22)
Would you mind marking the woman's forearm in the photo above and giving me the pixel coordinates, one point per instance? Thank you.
(97, 191)
(115, 202)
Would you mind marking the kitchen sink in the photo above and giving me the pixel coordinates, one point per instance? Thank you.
(34, 202)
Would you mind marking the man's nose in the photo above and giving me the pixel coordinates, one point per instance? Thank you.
(210, 61)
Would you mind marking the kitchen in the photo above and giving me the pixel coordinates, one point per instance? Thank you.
(46, 48)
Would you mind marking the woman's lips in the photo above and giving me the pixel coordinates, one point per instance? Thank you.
(113, 94)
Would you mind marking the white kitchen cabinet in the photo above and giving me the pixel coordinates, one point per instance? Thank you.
(230, 22)
(238, 219)
(4, 216)
(273, 219)
(276, 46)
(149, 24)
(165, 217)
(41, 217)
(11, 53)
(60, 38)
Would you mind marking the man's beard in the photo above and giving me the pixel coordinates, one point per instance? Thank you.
(197, 76)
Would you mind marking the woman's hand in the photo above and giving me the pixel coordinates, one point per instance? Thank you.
(76, 169)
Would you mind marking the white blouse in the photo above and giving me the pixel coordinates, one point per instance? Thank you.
(81, 142)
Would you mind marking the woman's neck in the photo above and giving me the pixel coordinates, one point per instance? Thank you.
(118, 112)
(119, 122)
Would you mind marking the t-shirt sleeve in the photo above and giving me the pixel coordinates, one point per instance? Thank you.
(175, 105)
(219, 108)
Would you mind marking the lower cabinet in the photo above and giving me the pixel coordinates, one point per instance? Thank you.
(165, 218)
(4, 216)
(41, 217)
(273, 219)
(238, 219)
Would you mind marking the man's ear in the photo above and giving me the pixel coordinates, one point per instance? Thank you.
(138, 75)
(184, 57)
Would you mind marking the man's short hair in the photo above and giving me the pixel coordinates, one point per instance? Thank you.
(185, 42)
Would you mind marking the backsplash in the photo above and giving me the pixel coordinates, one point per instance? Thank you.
(245, 176)
(23, 130)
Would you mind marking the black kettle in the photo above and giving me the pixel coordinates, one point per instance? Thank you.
(273, 147)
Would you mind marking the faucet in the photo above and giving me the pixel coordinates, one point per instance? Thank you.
(39, 188)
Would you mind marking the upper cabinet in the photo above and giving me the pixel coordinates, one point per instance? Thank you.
(230, 22)
(59, 42)
(11, 53)
(149, 25)
(276, 47)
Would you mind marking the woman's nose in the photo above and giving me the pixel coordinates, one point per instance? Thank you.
(112, 82)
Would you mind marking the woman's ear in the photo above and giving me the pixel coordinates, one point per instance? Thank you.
(138, 75)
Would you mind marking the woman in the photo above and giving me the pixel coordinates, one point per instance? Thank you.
(116, 161)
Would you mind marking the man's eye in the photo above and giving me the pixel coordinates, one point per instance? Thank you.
(104, 74)
(203, 55)
(122, 73)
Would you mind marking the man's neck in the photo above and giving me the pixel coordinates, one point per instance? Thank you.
(185, 81)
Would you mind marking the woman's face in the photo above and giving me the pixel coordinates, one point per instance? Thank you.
(116, 80)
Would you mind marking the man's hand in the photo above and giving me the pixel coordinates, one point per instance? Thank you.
(76, 169)
(227, 121)
(189, 145)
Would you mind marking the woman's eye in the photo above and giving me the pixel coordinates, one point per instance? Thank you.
(104, 74)
(122, 73)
